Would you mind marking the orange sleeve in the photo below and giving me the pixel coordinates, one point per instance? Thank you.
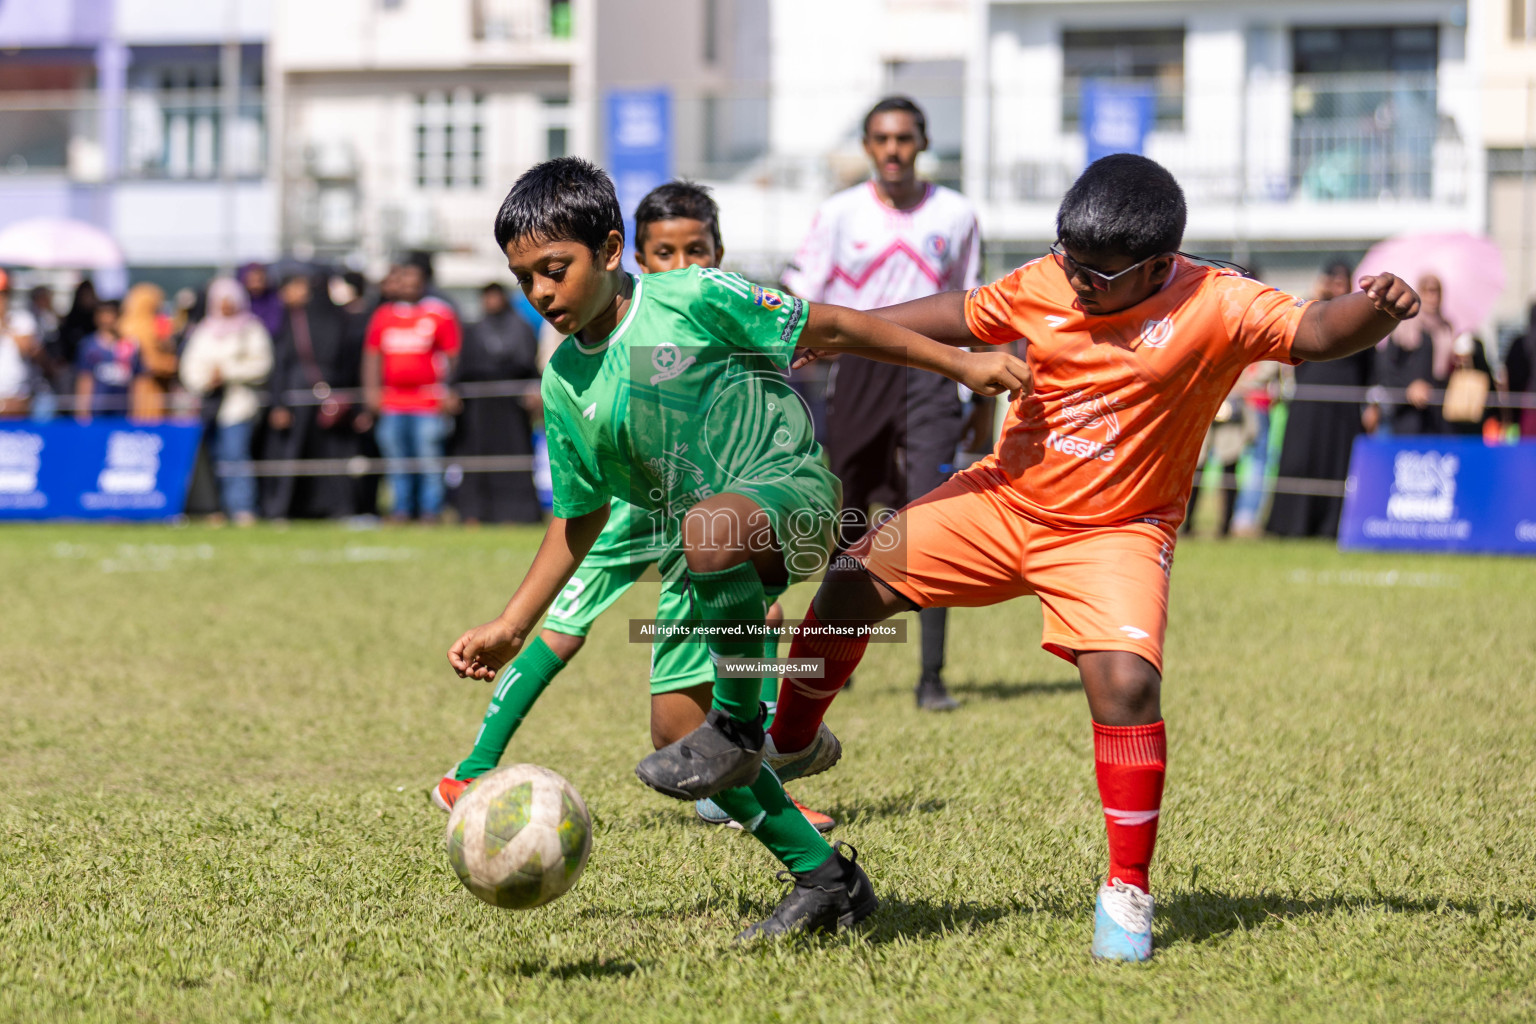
(989, 310)
(1267, 322)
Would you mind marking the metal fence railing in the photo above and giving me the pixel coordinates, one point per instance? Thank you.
(362, 466)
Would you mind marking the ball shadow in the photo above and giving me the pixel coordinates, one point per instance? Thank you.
(592, 967)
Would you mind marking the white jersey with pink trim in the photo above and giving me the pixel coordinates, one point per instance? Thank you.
(864, 254)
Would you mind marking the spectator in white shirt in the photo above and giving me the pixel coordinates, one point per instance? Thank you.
(226, 354)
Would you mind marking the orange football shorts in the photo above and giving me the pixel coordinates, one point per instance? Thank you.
(962, 545)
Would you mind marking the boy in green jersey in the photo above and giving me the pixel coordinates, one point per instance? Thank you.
(669, 393)
(676, 225)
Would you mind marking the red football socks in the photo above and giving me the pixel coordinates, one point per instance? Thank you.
(803, 702)
(1130, 761)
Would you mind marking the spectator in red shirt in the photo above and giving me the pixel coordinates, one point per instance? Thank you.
(408, 356)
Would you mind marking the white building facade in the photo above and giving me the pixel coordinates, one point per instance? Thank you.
(1298, 129)
(146, 118)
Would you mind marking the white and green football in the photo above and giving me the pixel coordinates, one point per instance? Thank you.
(519, 836)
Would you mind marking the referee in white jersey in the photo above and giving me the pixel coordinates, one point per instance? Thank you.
(892, 432)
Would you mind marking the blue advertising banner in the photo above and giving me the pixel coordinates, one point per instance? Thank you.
(1116, 116)
(108, 469)
(639, 149)
(1440, 494)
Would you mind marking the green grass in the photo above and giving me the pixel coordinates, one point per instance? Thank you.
(217, 745)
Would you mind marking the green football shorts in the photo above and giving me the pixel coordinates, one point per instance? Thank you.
(675, 664)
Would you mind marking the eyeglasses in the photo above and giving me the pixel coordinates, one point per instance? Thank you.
(1097, 278)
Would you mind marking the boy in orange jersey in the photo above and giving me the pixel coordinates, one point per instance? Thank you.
(1132, 347)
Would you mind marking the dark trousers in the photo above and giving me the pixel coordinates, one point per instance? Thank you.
(896, 464)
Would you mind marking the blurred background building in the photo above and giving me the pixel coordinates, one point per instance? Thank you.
(201, 133)
(146, 118)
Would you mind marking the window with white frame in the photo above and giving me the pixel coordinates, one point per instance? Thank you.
(1154, 56)
(557, 126)
(450, 139)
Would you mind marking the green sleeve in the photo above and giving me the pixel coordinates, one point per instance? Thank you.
(748, 316)
(575, 479)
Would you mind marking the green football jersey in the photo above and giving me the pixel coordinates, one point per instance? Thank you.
(632, 535)
(687, 398)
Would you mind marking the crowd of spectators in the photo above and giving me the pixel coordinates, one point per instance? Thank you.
(306, 372)
(1424, 378)
(296, 376)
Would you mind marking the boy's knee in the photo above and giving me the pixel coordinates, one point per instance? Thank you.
(564, 645)
(712, 539)
(1123, 682)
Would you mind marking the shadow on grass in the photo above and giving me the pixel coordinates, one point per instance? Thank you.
(1185, 917)
(899, 806)
(1013, 689)
(1201, 916)
(917, 918)
(592, 967)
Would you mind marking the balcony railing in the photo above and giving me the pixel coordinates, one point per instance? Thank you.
(1318, 138)
(181, 134)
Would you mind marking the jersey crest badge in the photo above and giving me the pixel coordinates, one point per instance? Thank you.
(669, 362)
(1157, 333)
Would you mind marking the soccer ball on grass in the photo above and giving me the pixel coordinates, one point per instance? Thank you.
(519, 836)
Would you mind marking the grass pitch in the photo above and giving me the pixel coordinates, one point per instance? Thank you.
(217, 747)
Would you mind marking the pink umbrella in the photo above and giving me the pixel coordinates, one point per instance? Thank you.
(57, 243)
(1469, 267)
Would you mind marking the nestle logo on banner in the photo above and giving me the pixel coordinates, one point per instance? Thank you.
(20, 458)
(133, 463)
(1423, 487)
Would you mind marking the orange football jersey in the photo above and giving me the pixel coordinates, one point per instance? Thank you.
(1121, 401)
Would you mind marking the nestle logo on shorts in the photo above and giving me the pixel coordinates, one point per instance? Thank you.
(755, 668)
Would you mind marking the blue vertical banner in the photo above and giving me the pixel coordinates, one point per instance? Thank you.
(639, 150)
(1116, 116)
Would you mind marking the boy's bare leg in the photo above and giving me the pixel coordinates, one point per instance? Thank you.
(676, 714)
(834, 633)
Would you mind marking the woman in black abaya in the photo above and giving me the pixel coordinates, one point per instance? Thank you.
(501, 347)
(318, 351)
(1319, 435)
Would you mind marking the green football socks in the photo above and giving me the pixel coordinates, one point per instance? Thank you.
(734, 597)
(518, 686)
(764, 810)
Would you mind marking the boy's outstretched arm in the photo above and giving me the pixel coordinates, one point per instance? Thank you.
(1335, 328)
(838, 329)
(481, 652)
(940, 317)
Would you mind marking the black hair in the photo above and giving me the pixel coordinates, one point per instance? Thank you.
(676, 200)
(115, 305)
(358, 282)
(1124, 204)
(421, 259)
(1337, 266)
(494, 286)
(900, 104)
(565, 198)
